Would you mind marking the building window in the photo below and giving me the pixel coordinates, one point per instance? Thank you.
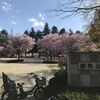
(82, 66)
(86, 66)
(90, 66)
(98, 66)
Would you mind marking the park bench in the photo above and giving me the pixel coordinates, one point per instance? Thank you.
(8, 87)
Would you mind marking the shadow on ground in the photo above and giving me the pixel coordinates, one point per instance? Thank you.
(57, 84)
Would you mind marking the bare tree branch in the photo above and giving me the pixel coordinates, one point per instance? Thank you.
(74, 7)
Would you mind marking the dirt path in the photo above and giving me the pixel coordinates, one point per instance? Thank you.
(20, 72)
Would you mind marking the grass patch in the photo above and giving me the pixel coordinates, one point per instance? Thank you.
(80, 94)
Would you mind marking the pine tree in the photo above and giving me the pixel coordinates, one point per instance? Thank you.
(62, 31)
(38, 35)
(26, 32)
(46, 29)
(32, 33)
(78, 32)
(71, 32)
(3, 37)
(54, 29)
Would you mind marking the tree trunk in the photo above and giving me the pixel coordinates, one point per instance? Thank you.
(25, 54)
(46, 55)
(32, 54)
(50, 54)
(39, 55)
(18, 55)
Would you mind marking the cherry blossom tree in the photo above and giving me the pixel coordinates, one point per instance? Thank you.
(1, 50)
(20, 44)
(48, 44)
(53, 44)
(83, 42)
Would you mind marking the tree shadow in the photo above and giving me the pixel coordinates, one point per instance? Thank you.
(57, 84)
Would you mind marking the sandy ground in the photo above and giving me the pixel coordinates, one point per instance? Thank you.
(20, 73)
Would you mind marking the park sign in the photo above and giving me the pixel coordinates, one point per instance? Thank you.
(83, 69)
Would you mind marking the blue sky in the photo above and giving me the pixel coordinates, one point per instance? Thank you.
(19, 15)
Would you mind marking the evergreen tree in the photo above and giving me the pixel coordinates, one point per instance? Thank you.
(38, 35)
(4, 32)
(78, 32)
(62, 31)
(26, 32)
(71, 32)
(46, 29)
(32, 33)
(54, 29)
(3, 37)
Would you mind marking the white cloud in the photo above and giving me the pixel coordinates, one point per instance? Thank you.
(6, 6)
(36, 23)
(41, 16)
(13, 22)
